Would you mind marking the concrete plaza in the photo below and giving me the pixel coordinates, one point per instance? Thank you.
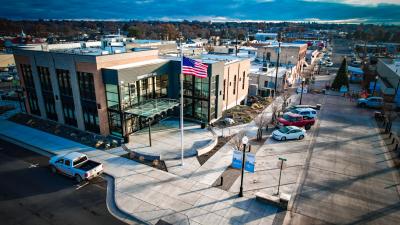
(166, 139)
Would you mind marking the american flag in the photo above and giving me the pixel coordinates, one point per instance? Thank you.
(194, 68)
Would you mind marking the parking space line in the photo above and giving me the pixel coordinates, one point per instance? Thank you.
(81, 186)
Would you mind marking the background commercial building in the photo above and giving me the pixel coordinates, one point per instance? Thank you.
(290, 55)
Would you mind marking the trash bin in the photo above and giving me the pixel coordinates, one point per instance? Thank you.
(203, 125)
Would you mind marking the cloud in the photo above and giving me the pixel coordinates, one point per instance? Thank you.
(205, 10)
(360, 2)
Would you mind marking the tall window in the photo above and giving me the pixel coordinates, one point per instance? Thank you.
(67, 101)
(64, 82)
(114, 109)
(88, 102)
(223, 95)
(234, 84)
(86, 86)
(161, 85)
(47, 92)
(244, 79)
(30, 89)
(213, 95)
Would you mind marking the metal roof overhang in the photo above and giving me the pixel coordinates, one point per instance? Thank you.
(152, 107)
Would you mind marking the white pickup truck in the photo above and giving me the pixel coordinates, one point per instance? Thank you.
(76, 165)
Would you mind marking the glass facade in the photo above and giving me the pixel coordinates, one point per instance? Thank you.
(132, 94)
(30, 89)
(67, 101)
(47, 92)
(88, 102)
(213, 96)
(114, 110)
(196, 93)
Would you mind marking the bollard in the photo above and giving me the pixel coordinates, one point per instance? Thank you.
(390, 135)
(222, 181)
(395, 148)
(249, 148)
(393, 140)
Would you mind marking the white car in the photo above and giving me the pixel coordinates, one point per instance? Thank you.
(288, 133)
(308, 112)
(229, 121)
(76, 165)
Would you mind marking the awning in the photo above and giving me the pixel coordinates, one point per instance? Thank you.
(153, 107)
(355, 70)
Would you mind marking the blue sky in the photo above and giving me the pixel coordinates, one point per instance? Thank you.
(376, 11)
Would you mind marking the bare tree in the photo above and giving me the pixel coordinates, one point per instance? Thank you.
(275, 111)
(285, 98)
(261, 121)
(236, 141)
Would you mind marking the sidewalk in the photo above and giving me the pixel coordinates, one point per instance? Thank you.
(150, 194)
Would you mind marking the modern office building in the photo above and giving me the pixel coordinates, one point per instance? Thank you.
(119, 92)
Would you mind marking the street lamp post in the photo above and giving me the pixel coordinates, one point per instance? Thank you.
(373, 92)
(245, 140)
(302, 88)
(277, 62)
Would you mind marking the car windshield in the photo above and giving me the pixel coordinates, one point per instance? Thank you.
(289, 118)
(284, 130)
(80, 160)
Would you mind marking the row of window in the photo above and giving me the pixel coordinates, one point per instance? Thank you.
(243, 79)
(86, 90)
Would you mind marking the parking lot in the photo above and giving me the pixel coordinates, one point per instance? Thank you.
(31, 194)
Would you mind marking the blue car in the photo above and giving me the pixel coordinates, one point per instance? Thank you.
(371, 102)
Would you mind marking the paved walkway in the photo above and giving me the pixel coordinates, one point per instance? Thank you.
(40, 139)
(150, 194)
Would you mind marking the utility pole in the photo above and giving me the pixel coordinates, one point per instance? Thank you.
(277, 62)
(236, 46)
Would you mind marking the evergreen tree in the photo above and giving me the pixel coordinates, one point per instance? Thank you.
(341, 76)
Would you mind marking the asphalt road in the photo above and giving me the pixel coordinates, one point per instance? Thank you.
(348, 179)
(31, 194)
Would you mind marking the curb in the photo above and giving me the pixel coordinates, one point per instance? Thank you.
(27, 146)
(396, 176)
(303, 173)
(112, 204)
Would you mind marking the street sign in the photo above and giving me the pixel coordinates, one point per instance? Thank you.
(237, 159)
(250, 162)
(343, 89)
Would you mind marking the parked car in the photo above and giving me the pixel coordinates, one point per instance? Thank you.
(288, 133)
(76, 165)
(309, 112)
(292, 119)
(372, 102)
(229, 121)
(329, 64)
(6, 78)
(316, 107)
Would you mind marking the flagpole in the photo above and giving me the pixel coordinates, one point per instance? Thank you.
(181, 114)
